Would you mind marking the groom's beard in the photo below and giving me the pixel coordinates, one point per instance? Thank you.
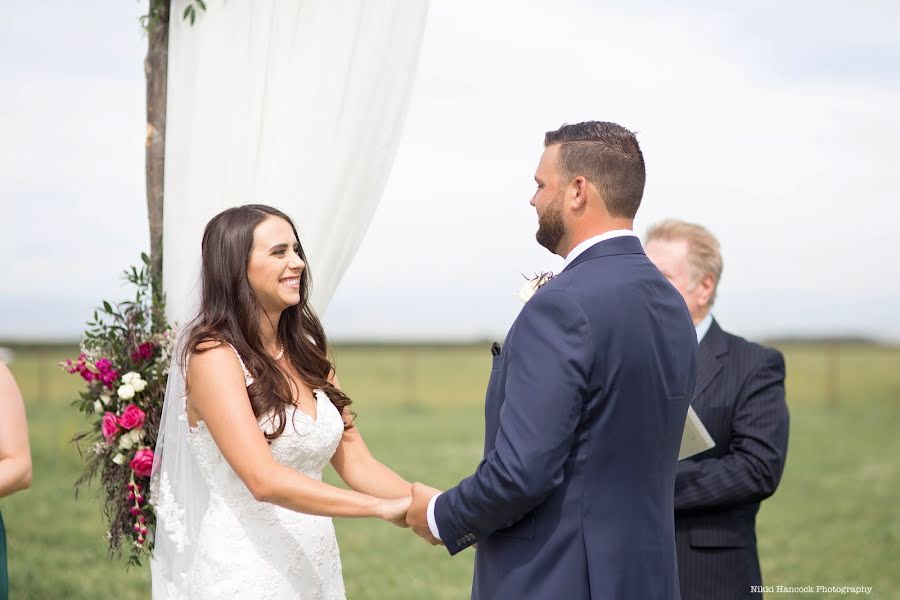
(550, 225)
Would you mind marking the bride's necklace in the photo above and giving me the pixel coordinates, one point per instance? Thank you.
(280, 353)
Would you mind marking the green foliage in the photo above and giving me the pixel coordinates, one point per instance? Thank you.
(123, 340)
(158, 8)
(142, 317)
(190, 12)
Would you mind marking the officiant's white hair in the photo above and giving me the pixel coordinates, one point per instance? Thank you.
(704, 252)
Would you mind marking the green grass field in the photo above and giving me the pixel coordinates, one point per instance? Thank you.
(833, 521)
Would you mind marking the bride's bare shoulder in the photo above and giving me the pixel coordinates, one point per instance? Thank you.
(212, 358)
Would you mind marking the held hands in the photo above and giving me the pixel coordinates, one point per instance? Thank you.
(394, 510)
(411, 511)
(417, 515)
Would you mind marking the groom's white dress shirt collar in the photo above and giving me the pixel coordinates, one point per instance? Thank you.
(703, 326)
(577, 250)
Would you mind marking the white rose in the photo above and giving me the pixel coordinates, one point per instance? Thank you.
(98, 407)
(138, 384)
(119, 459)
(131, 375)
(125, 392)
(105, 399)
(136, 435)
(528, 290)
(128, 440)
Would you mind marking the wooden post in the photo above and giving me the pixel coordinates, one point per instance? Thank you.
(156, 74)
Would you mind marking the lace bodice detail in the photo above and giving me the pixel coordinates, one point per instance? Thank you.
(306, 444)
(252, 549)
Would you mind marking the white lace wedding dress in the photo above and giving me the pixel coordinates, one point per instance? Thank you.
(250, 549)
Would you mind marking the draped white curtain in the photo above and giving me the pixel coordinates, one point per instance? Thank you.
(297, 104)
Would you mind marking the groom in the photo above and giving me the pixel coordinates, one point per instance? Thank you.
(586, 403)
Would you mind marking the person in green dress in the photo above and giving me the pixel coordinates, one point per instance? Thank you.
(15, 456)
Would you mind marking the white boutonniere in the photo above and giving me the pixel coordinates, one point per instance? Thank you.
(533, 284)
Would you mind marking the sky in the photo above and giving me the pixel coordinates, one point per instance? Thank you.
(773, 124)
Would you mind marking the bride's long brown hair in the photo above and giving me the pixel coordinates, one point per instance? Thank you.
(230, 313)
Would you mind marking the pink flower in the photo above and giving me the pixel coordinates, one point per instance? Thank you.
(132, 417)
(102, 370)
(108, 375)
(110, 426)
(109, 378)
(142, 463)
(80, 367)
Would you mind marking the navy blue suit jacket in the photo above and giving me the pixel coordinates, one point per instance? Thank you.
(584, 415)
(739, 396)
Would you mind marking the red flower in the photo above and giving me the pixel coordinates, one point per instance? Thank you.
(132, 417)
(143, 352)
(142, 463)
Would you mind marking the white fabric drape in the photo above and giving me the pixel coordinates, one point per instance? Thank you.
(297, 104)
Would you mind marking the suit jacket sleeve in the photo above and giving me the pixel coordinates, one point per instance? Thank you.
(547, 371)
(752, 468)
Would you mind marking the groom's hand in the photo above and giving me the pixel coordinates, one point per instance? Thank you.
(417, 515)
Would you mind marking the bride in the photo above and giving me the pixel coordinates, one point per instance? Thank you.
(252, 414)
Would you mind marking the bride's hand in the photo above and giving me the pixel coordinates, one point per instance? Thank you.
(394, 510)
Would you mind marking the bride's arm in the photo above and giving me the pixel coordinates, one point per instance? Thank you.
(219, 396)
(360, 470)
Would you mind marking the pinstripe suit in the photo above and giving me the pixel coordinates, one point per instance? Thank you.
(739, 396)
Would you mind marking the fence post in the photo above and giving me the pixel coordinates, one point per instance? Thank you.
(41, 391)
(410, 378)
(832, 373)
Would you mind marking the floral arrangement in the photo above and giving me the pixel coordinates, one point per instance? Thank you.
(124, 361)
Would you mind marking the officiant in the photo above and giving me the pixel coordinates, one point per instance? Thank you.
(739, 397)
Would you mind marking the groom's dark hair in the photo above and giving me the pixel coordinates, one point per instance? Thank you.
(607, 155)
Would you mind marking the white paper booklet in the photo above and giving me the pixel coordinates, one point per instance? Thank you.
(696, 438)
